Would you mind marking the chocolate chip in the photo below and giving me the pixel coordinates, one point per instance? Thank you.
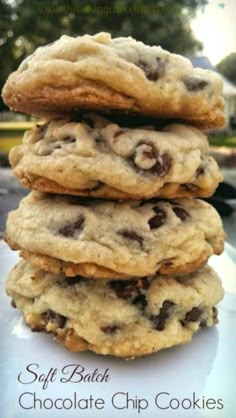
(157, 220)
(195, 84)
(192, 316)
(200, 170)
(151, 73)
(13, 303)
(54, 317)
(140, 301)
(189, 187)
(71, 229)
(162, 162)
(69, 140)
(124, 288)
(110, 329)
(162, 165)
(131, 235)
(181, 213)
(160, 319)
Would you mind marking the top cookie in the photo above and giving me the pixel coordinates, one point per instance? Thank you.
(100, 73)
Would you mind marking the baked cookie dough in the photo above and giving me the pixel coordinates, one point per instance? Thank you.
(108, 239)
(124, 318)
(120, 74)
(98, 158)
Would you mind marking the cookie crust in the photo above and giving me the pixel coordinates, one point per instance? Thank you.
(101, 73)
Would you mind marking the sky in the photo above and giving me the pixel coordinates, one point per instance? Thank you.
(215, 26)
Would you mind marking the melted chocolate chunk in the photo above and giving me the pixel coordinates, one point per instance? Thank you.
(110, 329)
(192, 316)
(131, 235)
(71, 229)
(69, 140)
(181, 213)
(140, 301)
(160, 319)
(162, 165)
(200, 170)
(152, 74)
(195, 84)
(124, 288)
(157, 220)
(163, 161)
(54, 317)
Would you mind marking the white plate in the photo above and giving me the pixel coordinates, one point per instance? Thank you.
(206, 367)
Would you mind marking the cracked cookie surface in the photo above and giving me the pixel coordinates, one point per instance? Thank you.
(98, 158)
(108, 239)
(101, 73)
(122, 318)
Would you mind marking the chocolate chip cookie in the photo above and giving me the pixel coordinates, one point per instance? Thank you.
(98, 158)
(121, 74)
(108, 239)
(124, 318)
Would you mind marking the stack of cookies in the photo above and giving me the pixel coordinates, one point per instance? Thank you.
(113, 240)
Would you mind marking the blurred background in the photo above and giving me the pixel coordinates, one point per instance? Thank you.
(204, 31)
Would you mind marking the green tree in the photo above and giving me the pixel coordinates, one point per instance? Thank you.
(228, 67)
(25, 24)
